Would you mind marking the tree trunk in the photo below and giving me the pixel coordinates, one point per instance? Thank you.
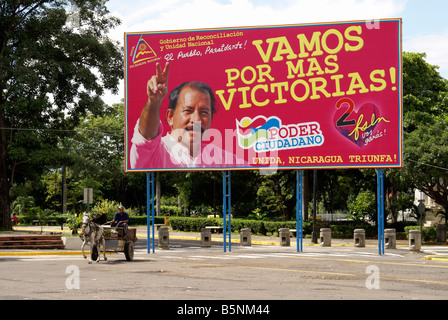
(158, 194)
(305, 195)
(5, 212)
(315, 197)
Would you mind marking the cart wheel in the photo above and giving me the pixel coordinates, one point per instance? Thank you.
(94, 253)
(129, 250)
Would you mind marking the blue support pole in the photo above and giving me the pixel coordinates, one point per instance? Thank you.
(224, 208)
(227, 211)
(148, 216)
(299, 215)
(150, 211)
(382, 211)
(380, 197)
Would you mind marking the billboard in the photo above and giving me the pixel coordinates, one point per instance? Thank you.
(325, 95)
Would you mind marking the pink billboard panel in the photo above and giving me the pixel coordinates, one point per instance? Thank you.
(325, 95)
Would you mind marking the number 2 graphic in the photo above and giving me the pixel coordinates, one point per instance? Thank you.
(341, 121)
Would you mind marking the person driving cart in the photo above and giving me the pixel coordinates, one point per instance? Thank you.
(121, 219)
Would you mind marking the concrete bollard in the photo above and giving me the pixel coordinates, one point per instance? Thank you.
(325, 237)
(246, 237)
(164, 238)
(415, 240)
(441, 233)
(359, 236)
(206, 238)
(284, 237)
(390, 238)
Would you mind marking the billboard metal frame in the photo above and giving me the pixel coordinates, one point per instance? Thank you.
(388, 74)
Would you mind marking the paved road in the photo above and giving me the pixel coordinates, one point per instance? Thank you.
(260, 272)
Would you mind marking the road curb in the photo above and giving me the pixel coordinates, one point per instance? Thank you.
(436, 258)
(49, 253)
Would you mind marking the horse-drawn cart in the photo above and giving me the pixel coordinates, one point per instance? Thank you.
(116, 241)
(101, 236)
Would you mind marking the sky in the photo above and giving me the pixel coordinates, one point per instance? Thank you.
(425, 26)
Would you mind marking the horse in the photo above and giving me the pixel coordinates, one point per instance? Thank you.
(93, 234)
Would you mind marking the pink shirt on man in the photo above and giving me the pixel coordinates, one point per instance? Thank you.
(164, 153)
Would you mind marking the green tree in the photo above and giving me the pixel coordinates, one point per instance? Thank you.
(425, 99)
(424, 91)
(51, 74)
(336, 186)
(199, 188)
(22, 205)
(98, 150)
(276, 194)
(98, 147)
(426, 160)
(363, 206)
(52, 182)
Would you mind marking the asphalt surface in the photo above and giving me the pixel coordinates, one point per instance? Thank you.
(264, 271)
(430, 251)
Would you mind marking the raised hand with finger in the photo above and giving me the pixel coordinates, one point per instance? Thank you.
(157, 89)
